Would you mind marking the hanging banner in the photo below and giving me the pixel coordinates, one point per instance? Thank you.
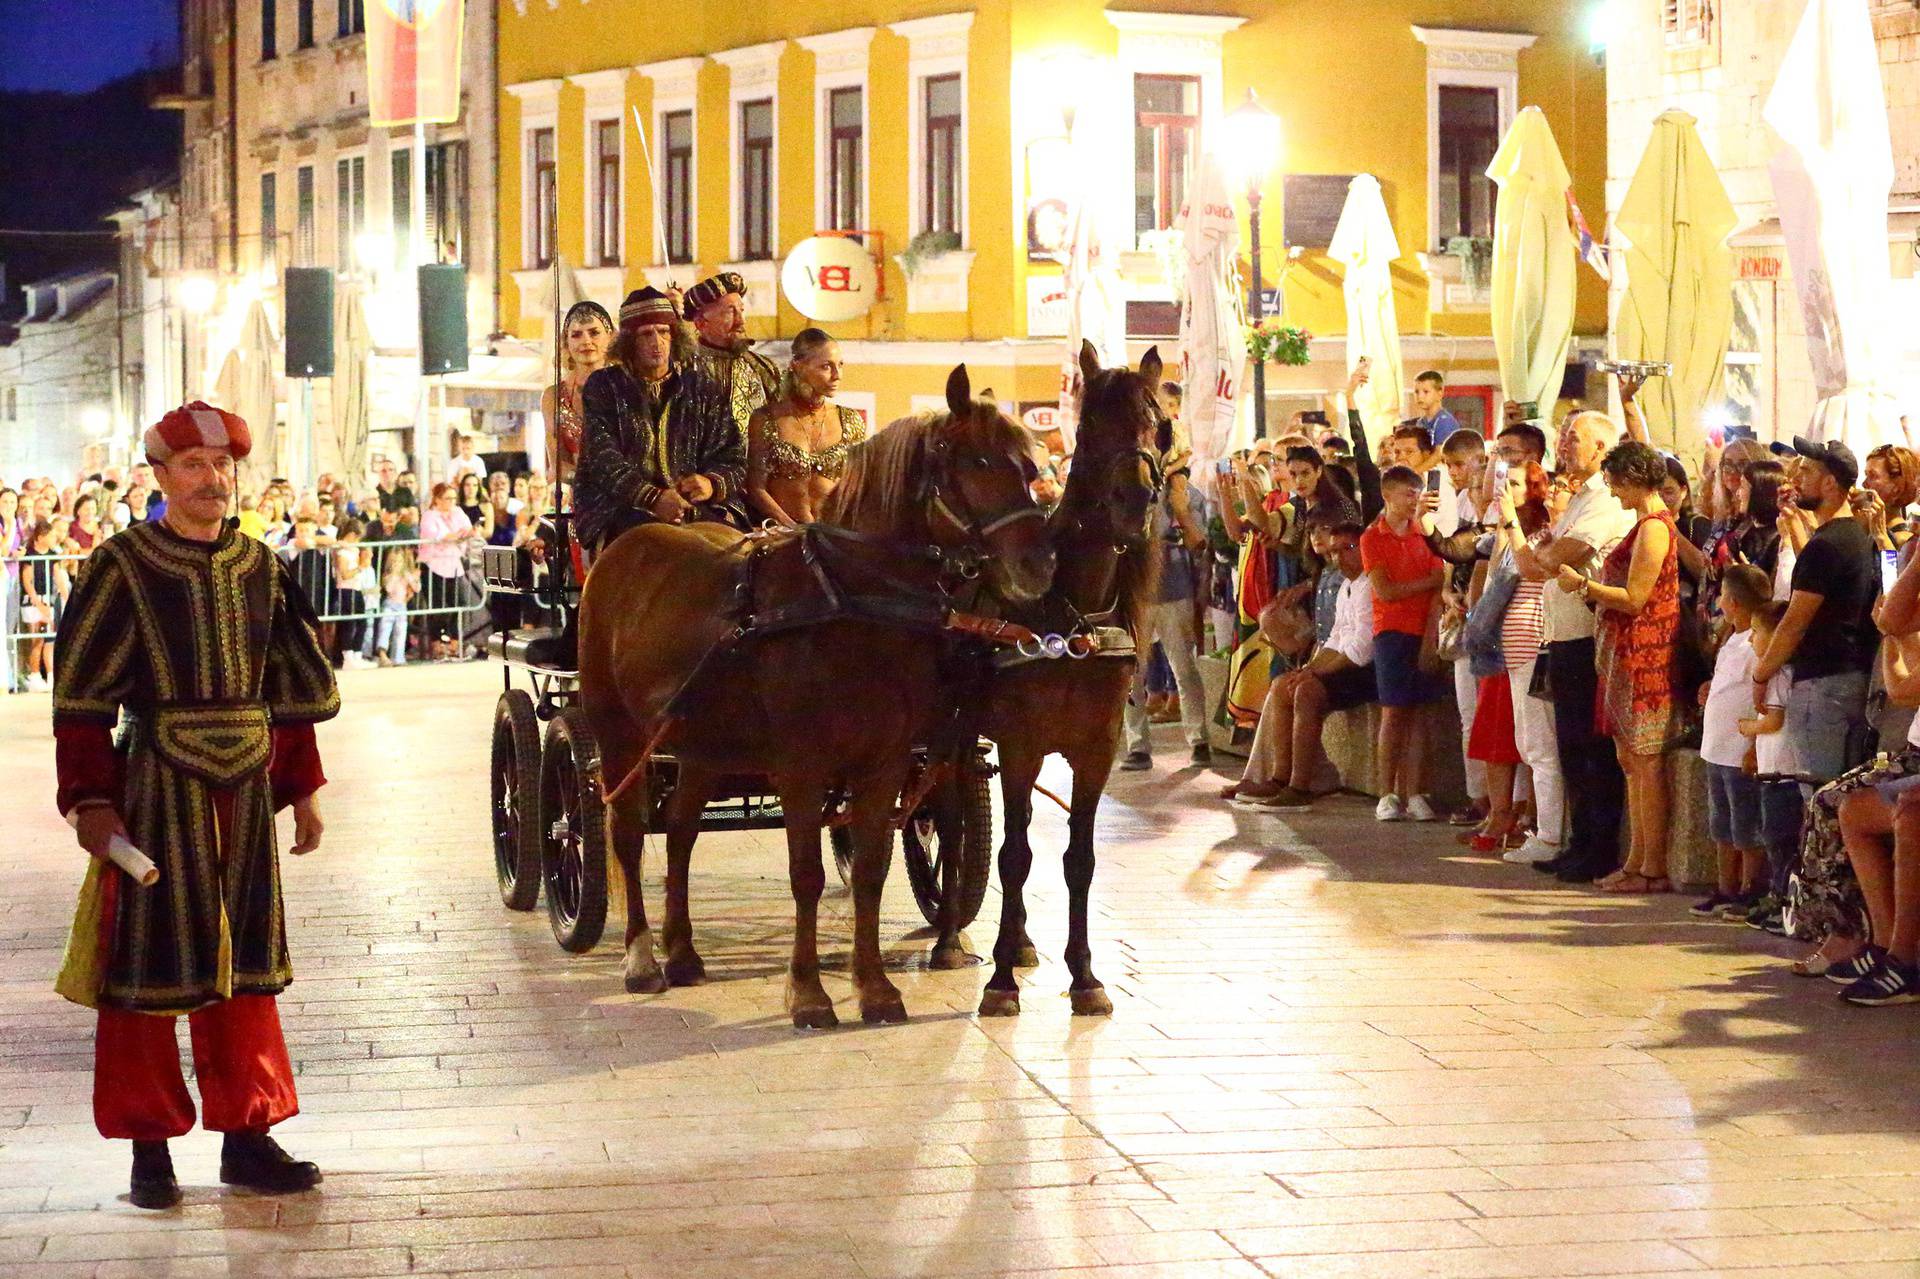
(413, 61)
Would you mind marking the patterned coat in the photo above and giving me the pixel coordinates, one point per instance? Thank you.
(210, 649)
(751, 379)
(634, 445)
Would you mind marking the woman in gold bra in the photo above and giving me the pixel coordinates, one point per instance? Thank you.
(797, 444)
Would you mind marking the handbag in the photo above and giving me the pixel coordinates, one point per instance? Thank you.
(1480, 637)
(1541, 685)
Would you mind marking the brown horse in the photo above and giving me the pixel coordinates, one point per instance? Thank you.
(1108, 567)
(818, 697)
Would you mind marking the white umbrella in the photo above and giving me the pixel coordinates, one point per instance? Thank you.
(1213, 337)
(1534, 262)
(1096, 304)
(1364, 241)
(353, 347)
(1831, 181)
(246, 386)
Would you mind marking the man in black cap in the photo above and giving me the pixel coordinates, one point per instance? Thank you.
(717, 309)
(660, 443)
(1827, 636)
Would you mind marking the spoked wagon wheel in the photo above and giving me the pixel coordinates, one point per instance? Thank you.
(926, 853)
(516, 800)
(573, 832)
(840, 840)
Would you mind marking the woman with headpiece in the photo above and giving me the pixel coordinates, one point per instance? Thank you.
(797, 444)
(587, 336)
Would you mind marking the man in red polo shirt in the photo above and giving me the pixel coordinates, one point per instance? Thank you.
(1406, 577)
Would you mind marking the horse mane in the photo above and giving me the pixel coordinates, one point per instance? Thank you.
(879, 491)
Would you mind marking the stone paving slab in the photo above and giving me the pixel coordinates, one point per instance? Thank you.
(1339, 1049)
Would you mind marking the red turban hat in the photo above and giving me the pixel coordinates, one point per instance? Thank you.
(198, 425)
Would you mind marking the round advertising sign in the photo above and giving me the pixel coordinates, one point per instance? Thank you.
(829, 278)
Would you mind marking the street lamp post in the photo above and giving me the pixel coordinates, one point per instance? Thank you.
(1253, 134)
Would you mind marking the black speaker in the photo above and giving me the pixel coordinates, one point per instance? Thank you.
(309, 292)
(443, 319)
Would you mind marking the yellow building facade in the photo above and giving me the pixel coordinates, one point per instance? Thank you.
(940, 134)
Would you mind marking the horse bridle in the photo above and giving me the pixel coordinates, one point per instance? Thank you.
(967, 559)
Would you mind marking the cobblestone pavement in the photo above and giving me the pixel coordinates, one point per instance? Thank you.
(1338, 1050)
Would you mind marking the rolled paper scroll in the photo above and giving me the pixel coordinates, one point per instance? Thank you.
(138, 866)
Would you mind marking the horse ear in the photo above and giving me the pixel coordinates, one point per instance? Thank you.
(959, 391)
(1089, 360)
(986, 395)
(1150, 366)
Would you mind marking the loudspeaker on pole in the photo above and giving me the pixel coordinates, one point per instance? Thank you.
(309, 293)
(443, 319)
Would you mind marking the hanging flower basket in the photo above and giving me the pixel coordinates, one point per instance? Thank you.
(1276, 342)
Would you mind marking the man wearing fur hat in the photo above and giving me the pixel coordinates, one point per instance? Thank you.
(199, 636)
(660, 441)
(717, 309)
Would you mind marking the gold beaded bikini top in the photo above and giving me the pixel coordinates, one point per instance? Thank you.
(789, 461)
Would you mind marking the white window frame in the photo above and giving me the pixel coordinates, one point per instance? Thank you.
(1697, 21)
(352, 266)
(676, 87)
(937, 46)
(754, 76)
(606, 99)
(840, 62)
(1468, 59)
(1166, 44)
(539, 109)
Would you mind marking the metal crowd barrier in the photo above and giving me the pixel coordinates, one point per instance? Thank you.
(353, 608)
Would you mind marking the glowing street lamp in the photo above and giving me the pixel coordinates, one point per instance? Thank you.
(198, 293)
(1252, 142)
(96, 421)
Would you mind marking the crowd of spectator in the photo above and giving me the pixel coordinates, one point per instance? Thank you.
(1592, 621)
(392, 570)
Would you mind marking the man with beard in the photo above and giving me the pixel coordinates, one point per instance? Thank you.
(660, 441)
(198, 634)
(1827, 636)
(717, 308)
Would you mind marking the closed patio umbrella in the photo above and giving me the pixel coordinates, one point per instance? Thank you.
(1096, 304)
(1213, 338)
(353, 347)
(1832, 180)
(1679, 300)
(1534, 260)
(246, 387)
(1364, 242)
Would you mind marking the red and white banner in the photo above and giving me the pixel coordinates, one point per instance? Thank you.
(413, 61)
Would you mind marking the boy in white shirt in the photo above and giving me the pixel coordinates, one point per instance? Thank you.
(1734, 813)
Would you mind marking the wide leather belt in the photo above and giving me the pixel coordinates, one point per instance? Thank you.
(220, 743)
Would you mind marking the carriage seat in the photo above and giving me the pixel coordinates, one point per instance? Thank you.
(547, 647)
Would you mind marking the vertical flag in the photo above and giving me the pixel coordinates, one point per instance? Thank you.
(1592, 252)
(413, 61)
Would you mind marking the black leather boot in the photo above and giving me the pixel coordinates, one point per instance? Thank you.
(255, 1160)
(153, 1183)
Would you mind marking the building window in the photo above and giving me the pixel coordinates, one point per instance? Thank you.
(676, 128)
(606, 204)
(1166, 137)
(756, 179)
(349, 209)
(447, 202)
(10, 404)
(269, 218)
(940, 146)
(305, 31)
(303, 235)
(352, 17)
(1687, 22)
(846, 139)
(1469, 136)
(269, 30)
(542, 190)
(400, 201)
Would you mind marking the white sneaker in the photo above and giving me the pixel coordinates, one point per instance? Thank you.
(353, 662)
(1389, 810)
(37, 684)
(1419, 810)
(1531, 853)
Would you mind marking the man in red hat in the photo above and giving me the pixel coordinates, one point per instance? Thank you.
(200, 638)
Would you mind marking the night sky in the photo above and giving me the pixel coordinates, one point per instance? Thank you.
(81, 44)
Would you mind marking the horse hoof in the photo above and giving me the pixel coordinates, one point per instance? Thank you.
(1026, 957)
(686, 972)
(650, 981)
(815, 1017)
(885, 1012)
(999, 1003)
(945, 957)
(1091, 1002)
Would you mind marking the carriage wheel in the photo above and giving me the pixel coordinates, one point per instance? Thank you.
(516, 800)
(840, 840)
(573, 832)
(926, 853)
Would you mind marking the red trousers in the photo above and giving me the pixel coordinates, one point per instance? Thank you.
(239, 1060)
